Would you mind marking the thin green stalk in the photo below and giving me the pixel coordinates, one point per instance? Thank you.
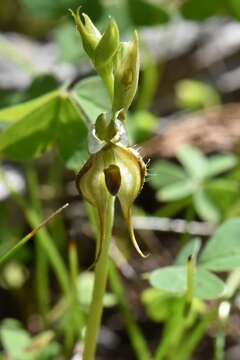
(195, 336)
(172, 331)
(101, 272)
(190, 275)
(41, 283)
(219, 345)
(50, 250)
(75, 315)
(135, 335)
(44, 238)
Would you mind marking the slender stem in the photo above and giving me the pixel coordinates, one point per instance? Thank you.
(134, 332)
(219, 345)
(196, 334)
(190, 275)
(45, 239)
(42, 265)
(48, 246)
(172, 331)
(101, 272)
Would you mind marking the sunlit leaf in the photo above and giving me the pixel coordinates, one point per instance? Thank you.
(72, 135)
(91, 97)
(205, 208)
(30, 136)
(192, 94)
(220, 163)
(17, 112)
(222, 252)
(176, 191)
(173, 279)
(193, 161)
(163, 173)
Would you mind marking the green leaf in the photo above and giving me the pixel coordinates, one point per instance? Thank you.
(146, 13)
(193, 161)
(205, 208)
(164, 173)
(17, 112)
(173, 279)
(192, 94)
(220, 163)
(191, 248)
(172, 208)
(85, 284)
(176, 191)
(201, 10)
(14, 339)
(234, 8)
(92, 97)
(141, 126)
(49, 9)
(56, 115)
(222, 252)
(158, 304)
(69, 48)
(30, 136)
(223, 193)
(72, 135)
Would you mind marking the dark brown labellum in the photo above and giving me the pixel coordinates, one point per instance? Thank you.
(113, 179)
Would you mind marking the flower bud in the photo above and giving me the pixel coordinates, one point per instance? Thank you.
(108, 128)
(126, 74)
(105, 127)
(107, 46)
(88, 31)
(113, 171)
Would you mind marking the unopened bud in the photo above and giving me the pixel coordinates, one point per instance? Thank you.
(105, 127)
(126, 74)
(88, 31)
(107, 46)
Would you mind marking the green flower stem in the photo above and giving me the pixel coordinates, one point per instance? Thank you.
(101, 272)
(134, 332)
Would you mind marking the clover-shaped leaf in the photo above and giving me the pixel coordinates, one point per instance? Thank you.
(222, 253)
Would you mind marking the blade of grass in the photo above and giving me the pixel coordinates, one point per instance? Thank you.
(136, 337)
(42, 263)
(45, 239)
(191, 341)
(4, 257)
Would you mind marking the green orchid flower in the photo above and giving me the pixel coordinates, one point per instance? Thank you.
(113, 171)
